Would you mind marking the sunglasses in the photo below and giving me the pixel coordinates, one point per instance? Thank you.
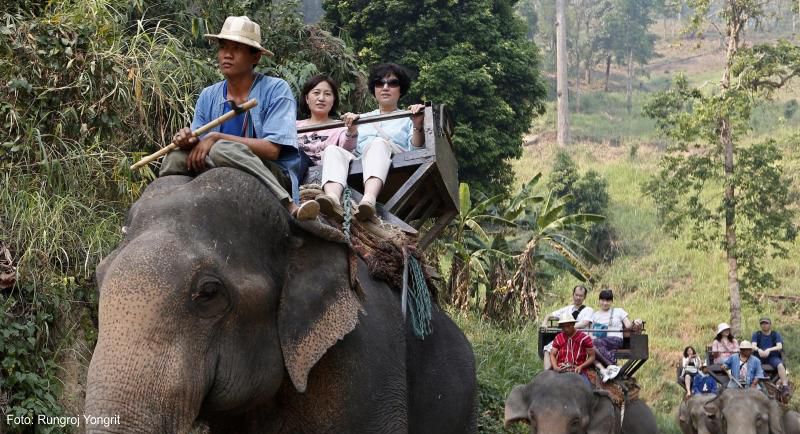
(391, 82)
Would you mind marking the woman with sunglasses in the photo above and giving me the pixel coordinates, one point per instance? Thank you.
(377, 142)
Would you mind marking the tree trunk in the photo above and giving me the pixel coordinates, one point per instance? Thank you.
(608, 70)
(588, 70)
(629, 84)
(726, 140)
(577, 66)
(561, 75)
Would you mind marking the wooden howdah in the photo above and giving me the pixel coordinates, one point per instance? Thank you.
(422, 183)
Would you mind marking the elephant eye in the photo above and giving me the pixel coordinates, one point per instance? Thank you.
(206, 289)
(209, 297)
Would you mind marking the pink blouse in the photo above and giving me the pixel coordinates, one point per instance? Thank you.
(314, 143)
(723, 349)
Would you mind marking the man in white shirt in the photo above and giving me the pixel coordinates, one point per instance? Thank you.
(579, 311)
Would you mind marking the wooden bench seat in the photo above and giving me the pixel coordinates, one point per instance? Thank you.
(422, 183)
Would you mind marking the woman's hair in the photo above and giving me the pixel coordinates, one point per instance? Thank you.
(310, 84)
(377, 72)
(686, 351)
(730, 336)
(607, 294)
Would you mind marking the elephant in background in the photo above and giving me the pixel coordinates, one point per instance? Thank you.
(558, 403)
(748, 411)
(693, 419)
(218, 306)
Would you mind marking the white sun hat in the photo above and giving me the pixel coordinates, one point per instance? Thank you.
(745, 345)
(722, 327)
(242, 30)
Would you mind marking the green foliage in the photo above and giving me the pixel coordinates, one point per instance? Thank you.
(688, 188)
(476, 60)
(91, 87)
(589, 195)
(507, 246)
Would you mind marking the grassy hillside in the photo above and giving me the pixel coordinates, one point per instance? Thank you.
(681, 293)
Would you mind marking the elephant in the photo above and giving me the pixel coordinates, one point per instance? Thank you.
(218, 306)
(748, 411)
(693, 419)
(564, 403)
(791, 422)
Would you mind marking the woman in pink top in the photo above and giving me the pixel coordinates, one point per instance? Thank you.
(724, 344)
(319, 98)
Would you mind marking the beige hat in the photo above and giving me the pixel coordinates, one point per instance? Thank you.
(745, 345)
(566, 318)
(242, 30)
(722, 327)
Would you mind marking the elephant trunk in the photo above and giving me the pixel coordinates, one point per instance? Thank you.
(119, 401)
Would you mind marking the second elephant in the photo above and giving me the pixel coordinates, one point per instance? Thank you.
(556, 403)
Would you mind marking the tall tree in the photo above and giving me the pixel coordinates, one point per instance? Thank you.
(629, 37)
(562, 89)
(752, 218)
(471, 55)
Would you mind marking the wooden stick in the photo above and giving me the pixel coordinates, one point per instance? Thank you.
(359, 121)
(172, 146)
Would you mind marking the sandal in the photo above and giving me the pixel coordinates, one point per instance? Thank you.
(366, 210)
(330, 207)
(308, 210)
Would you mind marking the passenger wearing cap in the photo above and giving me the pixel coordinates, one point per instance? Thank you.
(572, 350)
(743, 369)
(768, 344)
(261, 141)
(578, 310)
(724, 344)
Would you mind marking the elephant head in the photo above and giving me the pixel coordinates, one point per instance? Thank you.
(211, 301)
(745, 411)
(693, 419)
(556, 403)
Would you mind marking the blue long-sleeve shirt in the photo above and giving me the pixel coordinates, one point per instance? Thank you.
(753, 370)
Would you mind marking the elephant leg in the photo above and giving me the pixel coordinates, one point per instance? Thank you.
(639, 419)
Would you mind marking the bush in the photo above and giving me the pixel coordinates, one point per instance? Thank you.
(589, 196)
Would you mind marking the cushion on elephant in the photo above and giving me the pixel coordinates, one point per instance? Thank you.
(381, 245)
(617, 387)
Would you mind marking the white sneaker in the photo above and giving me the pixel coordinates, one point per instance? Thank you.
(611, 373)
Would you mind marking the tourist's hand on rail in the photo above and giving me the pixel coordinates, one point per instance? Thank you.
(184, 139)
(348, 119)
(417, 111)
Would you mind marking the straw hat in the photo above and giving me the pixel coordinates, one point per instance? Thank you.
(722, 327)
(242, 30)
(745, 345)
(566, 318)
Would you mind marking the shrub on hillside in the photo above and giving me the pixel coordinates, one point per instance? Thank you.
(589, 196)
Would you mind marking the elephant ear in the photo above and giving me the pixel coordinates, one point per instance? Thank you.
(318, 307)
(605, 417)
(775, 417)
(518, 404)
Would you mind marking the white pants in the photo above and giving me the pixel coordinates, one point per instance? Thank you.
(375, 161)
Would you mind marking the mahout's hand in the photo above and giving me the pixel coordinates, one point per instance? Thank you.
(196, 161)
(184, 139)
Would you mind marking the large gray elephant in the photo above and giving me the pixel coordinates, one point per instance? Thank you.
(218, 307)
(748, 411)
(693, 419)
(554, 403)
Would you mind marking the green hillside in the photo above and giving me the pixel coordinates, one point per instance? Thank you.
(681, 293)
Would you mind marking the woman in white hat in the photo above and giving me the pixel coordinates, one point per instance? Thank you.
(724, 344)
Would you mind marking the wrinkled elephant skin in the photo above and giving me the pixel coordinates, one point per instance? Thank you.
(554, 403)
(693, 419)
(216, 306)
(746, 411)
